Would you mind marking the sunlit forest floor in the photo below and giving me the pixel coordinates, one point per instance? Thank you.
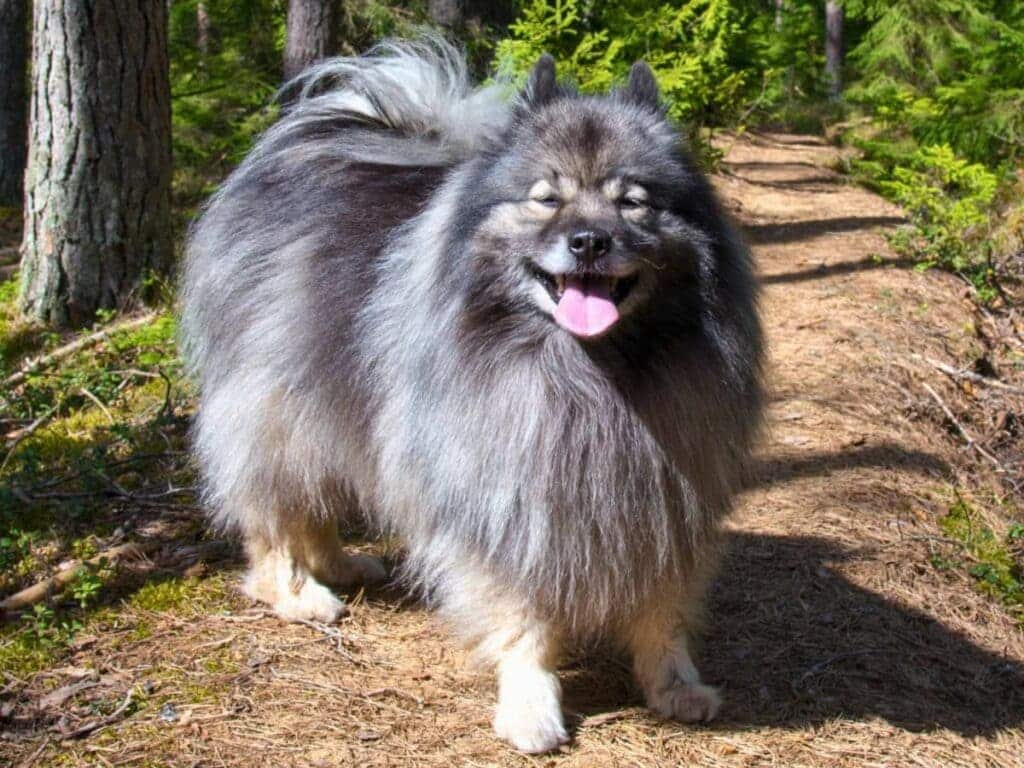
(854, 621)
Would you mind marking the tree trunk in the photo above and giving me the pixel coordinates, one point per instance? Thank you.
(834, 48)
(203, 29)
(446, 13)
(459, 14)
(310, 34)
(13, 98)
(97, 189)
(780, 7)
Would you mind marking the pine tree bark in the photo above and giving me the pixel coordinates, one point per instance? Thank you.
(459, 14)
(834, 48)
(310, 34)
(203, 29)
(446, 13)
(13, 99)
(97, 187)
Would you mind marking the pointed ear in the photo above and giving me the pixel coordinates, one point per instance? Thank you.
(542, 86)
(642, 88)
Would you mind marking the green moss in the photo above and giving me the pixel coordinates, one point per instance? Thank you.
(221, 663)
(56, 484)
(142, 630)
(18, 338)
(198, 693)
(178, 594)
(21, 654)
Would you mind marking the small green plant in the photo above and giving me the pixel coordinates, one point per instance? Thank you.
(997, 570)
(15, 545)
(941, 563)
(45, 629)
(86, 585)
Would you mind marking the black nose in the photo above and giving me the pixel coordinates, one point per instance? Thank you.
(590, 244)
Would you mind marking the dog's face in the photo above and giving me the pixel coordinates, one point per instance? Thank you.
(580, 214)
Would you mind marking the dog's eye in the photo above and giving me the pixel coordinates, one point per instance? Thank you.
(549, 200)
(542, 192)
(635, 197)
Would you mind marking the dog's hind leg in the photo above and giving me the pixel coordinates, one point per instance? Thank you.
(660, 638)
(291, 572)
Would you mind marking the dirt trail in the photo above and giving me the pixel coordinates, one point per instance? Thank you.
(834, 639)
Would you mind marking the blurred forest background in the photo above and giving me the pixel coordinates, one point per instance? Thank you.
(117, 122)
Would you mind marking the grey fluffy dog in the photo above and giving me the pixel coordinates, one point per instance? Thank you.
(518, 333)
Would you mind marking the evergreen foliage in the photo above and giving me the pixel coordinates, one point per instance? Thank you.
(946, 72)
(694, 48)
(936, 88)
(715, 60)
(223, 97)
(941, 84)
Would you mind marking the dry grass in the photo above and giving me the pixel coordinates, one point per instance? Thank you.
(836, 641)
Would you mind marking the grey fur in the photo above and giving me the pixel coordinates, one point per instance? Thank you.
(357, 311)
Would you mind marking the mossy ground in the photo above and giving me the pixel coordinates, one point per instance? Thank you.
(96, 454)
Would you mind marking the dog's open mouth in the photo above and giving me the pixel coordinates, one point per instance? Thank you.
(586, 303)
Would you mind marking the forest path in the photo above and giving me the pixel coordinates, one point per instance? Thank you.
(835, 640)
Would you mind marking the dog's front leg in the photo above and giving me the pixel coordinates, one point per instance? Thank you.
(529, 712)
(524, 650)
(660, 642)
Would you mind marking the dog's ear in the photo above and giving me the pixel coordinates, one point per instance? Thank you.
(642, 88)
(542, 86)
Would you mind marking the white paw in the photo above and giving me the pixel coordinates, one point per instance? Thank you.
(313, 602)
(687, 702)
(530, 719)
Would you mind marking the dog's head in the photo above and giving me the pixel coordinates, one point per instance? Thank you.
(585, 214)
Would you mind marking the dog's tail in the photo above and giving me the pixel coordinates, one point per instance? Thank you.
(419, 88)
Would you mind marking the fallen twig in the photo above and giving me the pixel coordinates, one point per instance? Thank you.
(56, 699)
(113, 491)
(102, 722)
(29, 761)
(971, 442)
(121, 462)
(21, 434)
(331, 633)
(257, 615)
(75, 346)
(42, 589)
(398, 694)
(594, 721)
(99, 403)
(218, 643)
(971, 376)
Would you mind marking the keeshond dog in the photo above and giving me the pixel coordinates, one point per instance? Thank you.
(516, 332)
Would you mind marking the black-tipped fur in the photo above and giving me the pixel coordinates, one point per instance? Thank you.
(642, 87)
(360, 307)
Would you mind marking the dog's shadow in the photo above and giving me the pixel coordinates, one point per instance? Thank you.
(792, 642)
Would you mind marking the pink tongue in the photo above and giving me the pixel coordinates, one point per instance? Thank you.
(586, 308)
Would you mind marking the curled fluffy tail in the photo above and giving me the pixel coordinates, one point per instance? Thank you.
(419, 88)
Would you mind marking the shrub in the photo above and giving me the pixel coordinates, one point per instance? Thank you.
(948, 201)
